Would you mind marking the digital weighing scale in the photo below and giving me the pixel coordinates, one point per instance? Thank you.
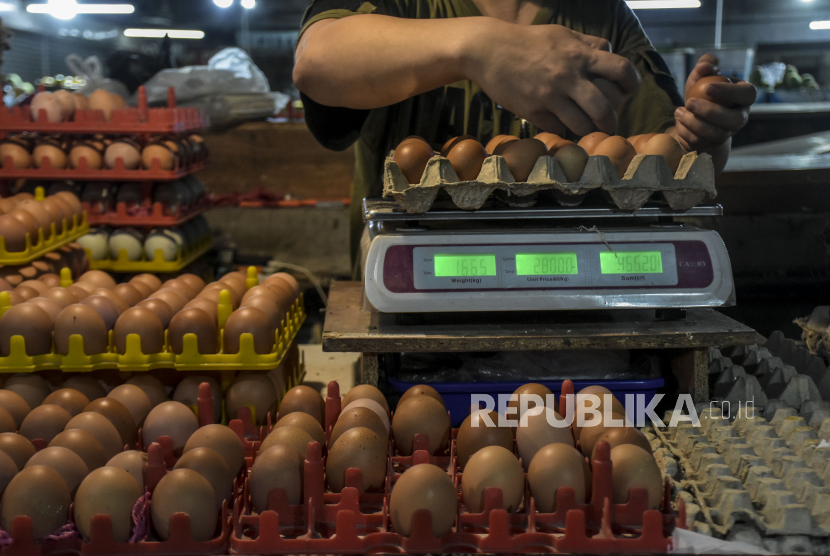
(543, 259)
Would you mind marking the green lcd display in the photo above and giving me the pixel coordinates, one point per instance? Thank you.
(631, 262)
(545, 264)
(472, 264)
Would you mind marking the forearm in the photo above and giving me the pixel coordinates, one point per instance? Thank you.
(720, 154)
(369, 61)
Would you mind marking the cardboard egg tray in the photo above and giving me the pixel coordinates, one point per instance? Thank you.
(157, 266)
(815, 331)
(693, 182)
(355, 521)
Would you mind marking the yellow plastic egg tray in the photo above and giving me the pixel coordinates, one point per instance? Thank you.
(70, 231)
(157, 265)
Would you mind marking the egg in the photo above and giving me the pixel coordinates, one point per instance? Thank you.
(25, 293)
(194, 321)
(158, 153)
(619, 150)
(15, 405)
(163, 241)
(476, 433)
(20, 156)
(7, 423)
(306, 399)
(84, 445)
(134, 399)
(41, 494)
(266, 304)
(592, 141)
(133, 462)
(46, 108)
(173, 299)
(125, 149)
(633, 467)
(356, 417)
(493, 466)
(29, 222)
(40, 214)
(420, 415)
(187, 392)
(87, 151)
(425, 390)
(699, 89)
(555, 466)
(358, 448)
(17, 447)
(373, 406)
(521, 157)
(50, 151)
(423, 487)
(262, 290)
(107, 491)
(411, 156)
(666, 146)
(85, 321)
(101, 428)
(145, 324)
(641, 142)
(128, 293)
(537, 394)
(172, 419)
(66, 462)
(117, 414)
(254, 391)
(294, 437)
(276, 468)
(212, 467)
(306, 422)
(539, 432)
(101, 99)
(98, 278)
(143, 289)
(37, 285)
(128, 240)
(152, 388)
(87, 386)
(62, 296)
(223, 441)
(250, 321)
(466, 158)
(105, 308)
(553, 142)
(32, 323)
(184, 491)
(589, 435)
(13, 234)
(366, 391)
(150, 279)
(589, 398)
(71, 400)
(450, 143)
(496, 141)
(617, 436)
(67, 103)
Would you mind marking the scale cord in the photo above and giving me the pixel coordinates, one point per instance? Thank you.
(601, 236)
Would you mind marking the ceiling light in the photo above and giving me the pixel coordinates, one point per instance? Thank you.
(7, 7)
(249, 4)
(67, 9)
(806, 1)
(161, 33)
(818, 25)
(223, 3)
(661, 4)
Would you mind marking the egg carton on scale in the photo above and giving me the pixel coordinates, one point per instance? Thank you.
(693, 182)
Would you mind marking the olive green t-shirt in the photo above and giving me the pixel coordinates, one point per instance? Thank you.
(463, 108)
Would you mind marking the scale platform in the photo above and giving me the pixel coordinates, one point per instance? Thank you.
(543, 259)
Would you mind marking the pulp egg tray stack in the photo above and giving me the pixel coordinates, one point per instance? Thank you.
(354, 522)
(693, 182)
(756, 473)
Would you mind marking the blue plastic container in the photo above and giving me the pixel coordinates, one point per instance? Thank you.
(457, 395)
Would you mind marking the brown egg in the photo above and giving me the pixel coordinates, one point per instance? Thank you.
(305, 422)
(101, 428)
(496, 141)
(555, 466)
(29, 222)
(366, 391)
(423, 487)
(266, 304)
(584, 403)
(411, 156)
(7, 423)
(172, 419)
(254, 391)
(619, 150)
(101, 99)
(41, 215)
(592, 141)
(212, 467)
(40, 493)
(262, 290)
(128, 151)
(142, 288)
(66, 462)
(539, 432)
(119, 416)
(29, 321)
(98, 278)
(93, 157)
(31, 387)
(172, 298)
(85, 321)
(105, 308)
(166, 158)
(194, 321)
(13, 234)
(4, 285)
(187, 392)
(278, 467)
(51, 152)
(425, 390)
(133, 462)
(466, 158)
(70, 199)
(285, 294)
(183, 288)
(71, 400)
(150, 279)
(532, 390)
(223, 441)
(453, 142)
(554, 142)
(46, 108)
(589, 435)
(306, 399)
(248, 321)
(420, 415)
(293, 437)
(84, 445)
(184, 491)
(193, 281)
(134, 399)
(37, 285)
(8, 469)
(81, 102)
(476, 433)
(151, 386)
(633, 467)
(19, 154)
(353, 418)
(236, 287)
(62, 296)
(699, 89)
(128, 293)
(666, 146)
(17, 447)
(15, 405)
(77, 291)
(143, 322)
(358, 448)
(87, 386)
(67, 104)
(107, 491)
(493, 466)
(25, 293)
(521, 157)
(617, 436)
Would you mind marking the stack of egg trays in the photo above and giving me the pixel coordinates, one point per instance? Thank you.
(646, 175)
(76, 360)
(358, 522)
(36, 249)
(160, 459)
(157, 264)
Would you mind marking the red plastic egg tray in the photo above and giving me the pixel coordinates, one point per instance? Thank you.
(84, 173)
(146, 215)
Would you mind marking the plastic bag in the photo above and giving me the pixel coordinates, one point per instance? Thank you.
(229, 72)
(92, 72)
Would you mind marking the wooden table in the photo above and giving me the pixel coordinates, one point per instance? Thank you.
(351, 328)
